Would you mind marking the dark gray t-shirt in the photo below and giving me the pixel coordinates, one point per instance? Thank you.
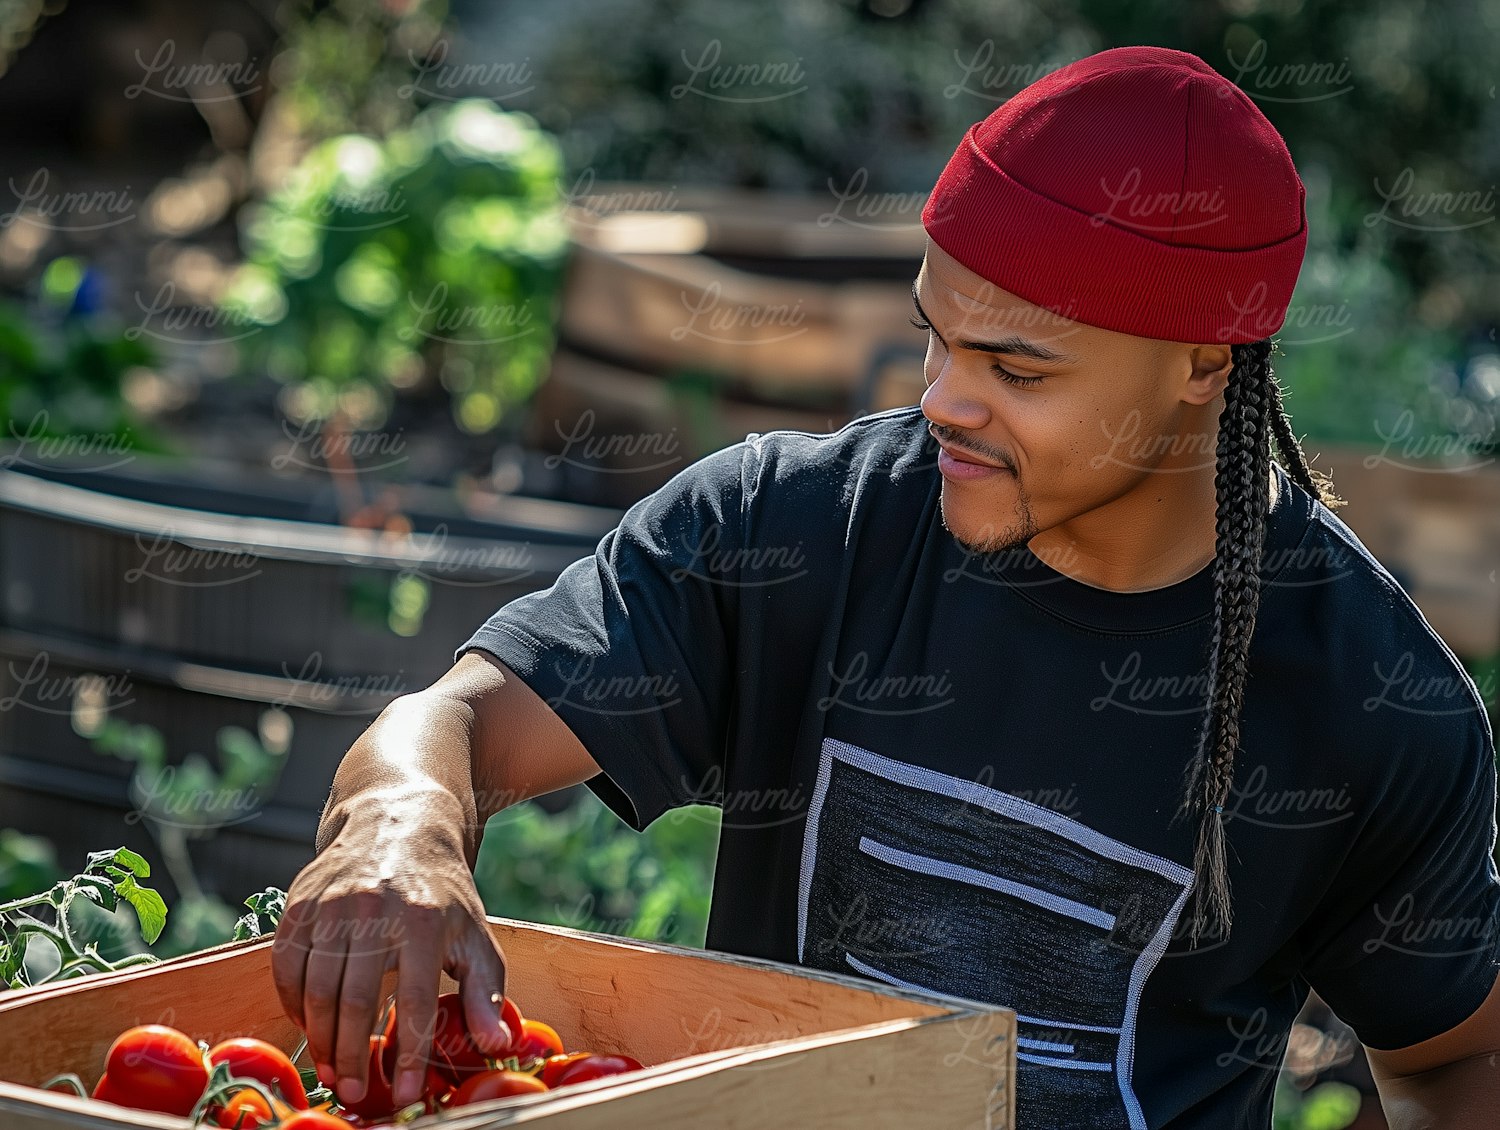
(959, 771)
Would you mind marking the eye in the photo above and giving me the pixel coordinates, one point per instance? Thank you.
(1015, 378)
(920, 324)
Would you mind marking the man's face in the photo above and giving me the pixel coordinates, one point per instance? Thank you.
(1069, 416)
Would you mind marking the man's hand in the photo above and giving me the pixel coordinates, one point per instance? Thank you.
(392, 891)
(392, 887)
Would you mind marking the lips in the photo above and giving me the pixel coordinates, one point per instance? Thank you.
(963, 457)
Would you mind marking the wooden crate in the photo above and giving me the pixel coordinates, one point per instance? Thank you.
(730, 1042)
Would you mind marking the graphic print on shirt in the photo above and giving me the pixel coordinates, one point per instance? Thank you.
(929, 881)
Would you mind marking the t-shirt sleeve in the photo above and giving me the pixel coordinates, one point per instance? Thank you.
(634, 646)
(1408, 943)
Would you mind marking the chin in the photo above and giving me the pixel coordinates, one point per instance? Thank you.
(992, 529)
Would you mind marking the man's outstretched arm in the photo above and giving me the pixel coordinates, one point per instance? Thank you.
(392, 885)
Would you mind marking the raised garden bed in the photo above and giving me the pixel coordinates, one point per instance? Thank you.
(252, 579)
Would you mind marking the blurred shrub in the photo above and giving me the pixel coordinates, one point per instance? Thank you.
(1357, 365)
(63, 369)
(430, 259)
(27, 864)
(1326, 1106)
(191, 800)
(585, 869)
(345, 66)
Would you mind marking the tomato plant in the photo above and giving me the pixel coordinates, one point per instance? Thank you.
(153, 1067)
(255, 1059)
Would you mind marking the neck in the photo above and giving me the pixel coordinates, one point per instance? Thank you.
(1157, 534)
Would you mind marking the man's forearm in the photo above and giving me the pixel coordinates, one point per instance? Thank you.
(1454, 1096)
(419, 748)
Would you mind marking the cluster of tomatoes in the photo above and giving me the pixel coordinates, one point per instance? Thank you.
(247, 1083)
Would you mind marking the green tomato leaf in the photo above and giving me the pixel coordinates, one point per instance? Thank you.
(12, 955)
(149, 907)
(110, 862)
(101, 891)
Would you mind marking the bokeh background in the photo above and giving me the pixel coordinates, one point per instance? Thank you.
(326, 328)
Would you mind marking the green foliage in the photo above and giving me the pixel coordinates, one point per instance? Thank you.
(1327, 1106)
(1357, 367)
(27, 864)
(345, 65)
(108, 880)
(266, 909)
(76, 922)
(432, 256)
(191, 800)
(193, 796)
(119, 870)
(63, 376)
(585, 869)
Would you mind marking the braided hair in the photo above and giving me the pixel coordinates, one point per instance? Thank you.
(1252, 418)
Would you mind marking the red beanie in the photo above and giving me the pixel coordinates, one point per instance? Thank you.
(1136, 189)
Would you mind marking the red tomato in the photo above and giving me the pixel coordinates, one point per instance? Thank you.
(554, 1066)
(453, 1049)
(255, 1059)
(245, 1109)
(454, 1053)
(596, 1067)
(153, 1067)
(314, 1120)
(437, 1085)
(106, 1092)
(538, 1041)
(376, 1102)
(496, 1085)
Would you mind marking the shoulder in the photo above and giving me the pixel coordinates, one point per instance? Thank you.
(1397, 680)
(889, 445)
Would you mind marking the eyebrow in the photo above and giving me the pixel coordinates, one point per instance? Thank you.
(1013, 345)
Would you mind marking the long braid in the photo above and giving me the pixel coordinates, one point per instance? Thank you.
(1252, 418)
(1242, 495)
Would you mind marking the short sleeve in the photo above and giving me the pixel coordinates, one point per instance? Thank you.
(634, 646)
(1408, 943)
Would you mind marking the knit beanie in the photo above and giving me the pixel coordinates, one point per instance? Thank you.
(1137, 190)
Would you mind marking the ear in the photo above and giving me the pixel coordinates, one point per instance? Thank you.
(1209, 375)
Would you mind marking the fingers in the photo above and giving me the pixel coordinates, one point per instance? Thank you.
(418, 967)
(359, 1005)
(480, 970)
(289, 957)
(322, 985)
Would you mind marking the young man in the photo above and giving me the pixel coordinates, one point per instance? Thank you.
(1054, 691)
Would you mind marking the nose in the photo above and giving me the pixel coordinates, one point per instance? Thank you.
(946, 402)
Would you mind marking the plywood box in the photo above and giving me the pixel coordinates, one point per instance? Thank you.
(728, 1042)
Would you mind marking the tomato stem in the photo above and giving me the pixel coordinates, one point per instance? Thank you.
(74, 1083)
(222, 1084)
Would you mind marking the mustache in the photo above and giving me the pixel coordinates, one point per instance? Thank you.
(948, 436)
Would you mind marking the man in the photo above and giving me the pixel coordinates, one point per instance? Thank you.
(1054, 691)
